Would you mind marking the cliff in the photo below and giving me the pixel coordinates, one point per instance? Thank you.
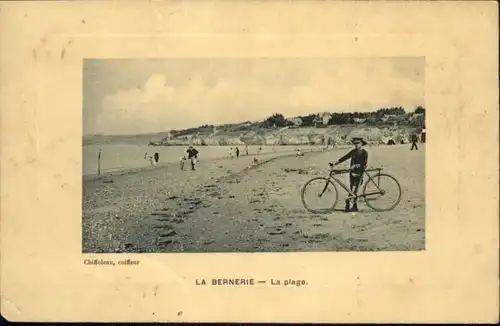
(333, 135)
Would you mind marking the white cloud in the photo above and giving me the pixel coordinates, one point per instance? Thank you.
(158, 106)
(358, 86)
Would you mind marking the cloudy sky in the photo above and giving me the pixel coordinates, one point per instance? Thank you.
(143, 96)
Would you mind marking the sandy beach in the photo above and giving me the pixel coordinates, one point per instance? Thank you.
(234, 206)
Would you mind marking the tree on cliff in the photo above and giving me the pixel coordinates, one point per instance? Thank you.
(341, 118)
(392, 111)
(276, 119)
(308, 120)
(420, 109)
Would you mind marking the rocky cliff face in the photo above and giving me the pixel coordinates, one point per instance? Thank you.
(338, 135)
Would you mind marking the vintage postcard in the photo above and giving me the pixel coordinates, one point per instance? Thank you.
(233, 162)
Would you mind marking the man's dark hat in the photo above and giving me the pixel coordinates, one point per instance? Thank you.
(355, 140)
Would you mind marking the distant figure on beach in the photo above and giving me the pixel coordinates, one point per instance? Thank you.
(299, 152)
(246, 150)
(99, 162)
(192, 156)
(260, 149)
(157, 157)
(149, 159)
(237, 152)
(255, 160)
(414, 140)
(359, 161)
(183, 161)
(231, 153)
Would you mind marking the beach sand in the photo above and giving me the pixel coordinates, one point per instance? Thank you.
(234, 206)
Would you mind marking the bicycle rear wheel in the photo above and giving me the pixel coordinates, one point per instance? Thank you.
(382, 192)
(319, 195)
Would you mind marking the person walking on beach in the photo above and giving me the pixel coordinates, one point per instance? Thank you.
(99, 161)
(359, 161)
(192, 156)
(414, 141)
(183, 161)
(246, 149)
(157, 157)
(237, 152)
(149, 159)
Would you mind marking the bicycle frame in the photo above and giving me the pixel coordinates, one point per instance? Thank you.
(351, 194)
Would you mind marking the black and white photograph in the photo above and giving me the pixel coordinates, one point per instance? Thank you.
(203, 155)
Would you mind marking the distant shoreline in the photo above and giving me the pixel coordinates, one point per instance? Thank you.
(92, 176)
(301, 136)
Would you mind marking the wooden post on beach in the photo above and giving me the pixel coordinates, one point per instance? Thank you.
(99, 162)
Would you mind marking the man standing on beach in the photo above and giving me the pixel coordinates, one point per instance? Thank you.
(246, 149)
(237, 152)
(359, 161)
(414, 140)
(192, 156)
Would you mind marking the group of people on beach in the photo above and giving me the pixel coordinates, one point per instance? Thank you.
(153, 160)
(235, 152)
(192, 156)
(358, 163)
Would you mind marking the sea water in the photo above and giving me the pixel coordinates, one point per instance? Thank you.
(117, 157)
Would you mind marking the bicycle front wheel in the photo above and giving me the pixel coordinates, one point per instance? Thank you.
(382, 192)
(319, 195)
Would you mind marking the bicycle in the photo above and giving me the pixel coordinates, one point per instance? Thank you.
(381, 193)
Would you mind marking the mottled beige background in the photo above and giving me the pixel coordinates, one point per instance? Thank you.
(42, 273)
